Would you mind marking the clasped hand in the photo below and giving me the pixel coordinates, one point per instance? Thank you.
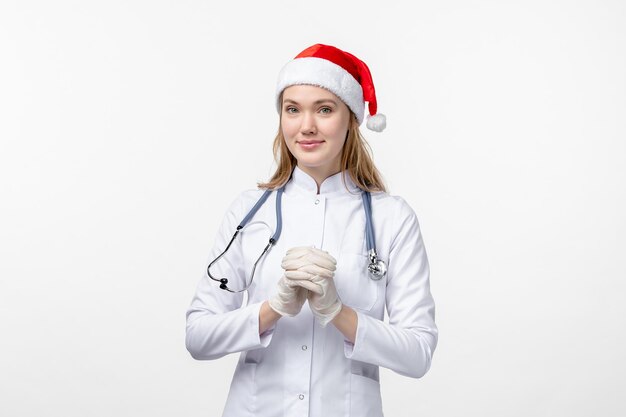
(308, 275)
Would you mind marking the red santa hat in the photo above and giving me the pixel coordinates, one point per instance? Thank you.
(339, 72)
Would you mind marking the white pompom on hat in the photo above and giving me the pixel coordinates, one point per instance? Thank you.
(341, 73)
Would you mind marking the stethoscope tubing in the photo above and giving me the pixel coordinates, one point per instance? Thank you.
(377, 268)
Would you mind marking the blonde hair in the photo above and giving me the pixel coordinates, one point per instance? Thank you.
(356, 159)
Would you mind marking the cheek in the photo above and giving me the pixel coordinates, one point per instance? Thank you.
(337, 130)
(288, 128)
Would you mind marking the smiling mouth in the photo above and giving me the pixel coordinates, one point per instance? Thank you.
(310, 145)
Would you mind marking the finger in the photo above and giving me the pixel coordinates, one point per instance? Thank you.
(325, 261)
(305, 266)
(295, 263)
(295, 275)
(296, 255)
(322, 281)
(299, 255)
(298, 250)
(309, 285)
(316, 270)
(321, 252)
(303, 250)
(323, 255)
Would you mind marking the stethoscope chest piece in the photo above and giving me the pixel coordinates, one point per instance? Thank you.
(377, 268)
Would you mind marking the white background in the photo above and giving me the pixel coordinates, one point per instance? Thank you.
(128, 127)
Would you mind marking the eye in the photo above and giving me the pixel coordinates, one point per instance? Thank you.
(289, 109)
(326, 110)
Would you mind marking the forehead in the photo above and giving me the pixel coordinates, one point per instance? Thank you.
(305, 92)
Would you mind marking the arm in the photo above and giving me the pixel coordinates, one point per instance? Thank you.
(406, 344)
(346, 322)
(267, 317)
(217, 323)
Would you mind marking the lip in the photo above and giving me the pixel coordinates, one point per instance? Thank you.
(308, 145)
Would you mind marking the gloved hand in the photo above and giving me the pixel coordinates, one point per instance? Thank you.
(313, 269)
(289, 298)
(307, 261)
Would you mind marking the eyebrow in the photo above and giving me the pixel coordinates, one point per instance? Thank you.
(326, 100)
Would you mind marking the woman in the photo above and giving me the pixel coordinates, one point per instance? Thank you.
(311, 334)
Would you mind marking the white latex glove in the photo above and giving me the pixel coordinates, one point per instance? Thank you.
(325, 303)
(313, 269)
(289, 298)
(305, 262)
(308, 259)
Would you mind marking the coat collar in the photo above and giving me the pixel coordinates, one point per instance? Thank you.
(302, 183)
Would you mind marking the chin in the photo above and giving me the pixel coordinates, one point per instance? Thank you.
(310, 162)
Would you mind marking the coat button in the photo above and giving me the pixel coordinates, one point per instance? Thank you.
(317, 201)
(301, 396)
(304, 347)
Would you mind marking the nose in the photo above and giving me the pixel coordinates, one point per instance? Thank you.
(308, 126)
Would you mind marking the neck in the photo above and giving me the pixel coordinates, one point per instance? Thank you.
(319, 174)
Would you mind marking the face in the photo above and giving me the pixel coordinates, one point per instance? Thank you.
(314, 123)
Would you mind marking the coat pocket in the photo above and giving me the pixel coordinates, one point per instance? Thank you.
(253, 356)
(365, 398)
(242, 386)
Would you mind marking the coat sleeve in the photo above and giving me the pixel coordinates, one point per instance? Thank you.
(217, 323)
(406, 344)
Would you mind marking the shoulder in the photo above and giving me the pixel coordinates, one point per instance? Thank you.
(245, 200)
(404, 226)
(392, 205)
(250, 195)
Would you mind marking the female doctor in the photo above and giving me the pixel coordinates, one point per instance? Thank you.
(311, 334)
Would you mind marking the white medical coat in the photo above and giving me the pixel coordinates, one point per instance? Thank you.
(297, 367)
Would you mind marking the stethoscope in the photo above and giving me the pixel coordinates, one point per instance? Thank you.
(376, 267)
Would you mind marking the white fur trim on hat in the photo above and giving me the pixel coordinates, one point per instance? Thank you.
(326, 74)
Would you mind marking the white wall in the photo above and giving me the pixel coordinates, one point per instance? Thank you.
(127, 127)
